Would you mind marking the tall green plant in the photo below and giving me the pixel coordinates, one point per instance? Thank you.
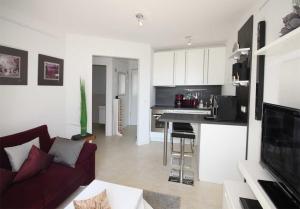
(83, 111)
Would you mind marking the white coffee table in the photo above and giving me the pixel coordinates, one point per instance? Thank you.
(120, 197)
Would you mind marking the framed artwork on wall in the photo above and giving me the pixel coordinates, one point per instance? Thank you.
(13, 66)
(50, 71)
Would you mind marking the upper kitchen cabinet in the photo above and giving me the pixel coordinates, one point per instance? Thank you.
(163, 68)
(215, 66)
(199, 66)
(179, 68)
(195, 67)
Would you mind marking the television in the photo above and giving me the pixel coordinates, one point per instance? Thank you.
(280, 151)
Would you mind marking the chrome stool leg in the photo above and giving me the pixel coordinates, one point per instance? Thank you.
(172, 145)
(182, 143)
(192, 143)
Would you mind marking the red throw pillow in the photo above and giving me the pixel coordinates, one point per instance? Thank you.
(37, 160)
(6, 178)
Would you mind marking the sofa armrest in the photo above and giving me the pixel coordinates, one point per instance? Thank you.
(88, 150)
(86, 162)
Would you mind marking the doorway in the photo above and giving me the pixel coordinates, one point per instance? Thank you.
(119, 104)
(99, 97)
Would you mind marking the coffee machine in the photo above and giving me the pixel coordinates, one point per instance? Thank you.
(178, 100)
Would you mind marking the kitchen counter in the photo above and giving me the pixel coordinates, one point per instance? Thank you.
(157, 107)
(191, 118)
(196, 118)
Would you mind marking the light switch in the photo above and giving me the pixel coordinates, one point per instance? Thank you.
(243, 109)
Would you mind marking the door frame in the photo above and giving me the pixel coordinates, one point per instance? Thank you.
(107, 61)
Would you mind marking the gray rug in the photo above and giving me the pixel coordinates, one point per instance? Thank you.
(161, 201)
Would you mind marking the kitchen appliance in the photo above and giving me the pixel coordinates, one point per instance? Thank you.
(178, 100)
(156, 125)
(280, 154)
(227, 108)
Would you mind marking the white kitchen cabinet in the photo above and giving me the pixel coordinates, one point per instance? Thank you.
(199, 66)
(195, 67)
(215, 66)
(221, 147)
(179, 68)
(163, 68)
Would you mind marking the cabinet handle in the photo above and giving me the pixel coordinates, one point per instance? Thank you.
(203, 67)
(185, 65)
(174, 83)
(208, 55)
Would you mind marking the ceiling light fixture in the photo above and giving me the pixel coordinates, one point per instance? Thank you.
(188, 40)
(140, 18)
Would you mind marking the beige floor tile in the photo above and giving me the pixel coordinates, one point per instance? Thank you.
(120, 160)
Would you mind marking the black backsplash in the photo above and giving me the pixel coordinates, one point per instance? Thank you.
(165, 96)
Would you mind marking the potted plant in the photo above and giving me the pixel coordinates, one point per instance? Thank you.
(83, 111)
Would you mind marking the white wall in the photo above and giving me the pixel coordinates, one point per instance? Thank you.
(79, 53)
(125, 66)
(122, 66)
(281, 73)
(27, 106)
(133, 94)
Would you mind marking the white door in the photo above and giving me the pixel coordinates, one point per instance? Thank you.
(179, 67)
(163, 68)
(216, 58)
(195, 67)
(133, 98)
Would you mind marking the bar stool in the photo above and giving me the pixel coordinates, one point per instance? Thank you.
(183, 131)
(178, 130)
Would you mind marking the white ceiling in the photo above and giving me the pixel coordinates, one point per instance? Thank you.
(166, 24)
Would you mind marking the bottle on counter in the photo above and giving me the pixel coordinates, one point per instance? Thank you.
(201, 104)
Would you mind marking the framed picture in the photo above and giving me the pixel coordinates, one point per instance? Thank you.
(13, 66)
(51, 71)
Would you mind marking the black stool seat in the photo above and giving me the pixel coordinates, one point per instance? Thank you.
(183, 127)
(183, 135)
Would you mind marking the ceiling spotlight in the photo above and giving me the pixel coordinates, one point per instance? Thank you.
(140, 19)
(188, 40)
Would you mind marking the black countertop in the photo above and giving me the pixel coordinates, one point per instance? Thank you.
(196, 118)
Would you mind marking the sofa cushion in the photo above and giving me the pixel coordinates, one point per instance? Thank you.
(45, 190)
(6, 178)
(18, 154)
(59, 180)
(37, 160)
(66, 151)
(25, 194)
(21, 138)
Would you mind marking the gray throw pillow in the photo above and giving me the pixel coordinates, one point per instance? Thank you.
(66, 151)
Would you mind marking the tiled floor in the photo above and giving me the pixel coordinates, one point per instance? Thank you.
(120, 160)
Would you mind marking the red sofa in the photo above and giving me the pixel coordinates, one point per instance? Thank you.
(51, 187)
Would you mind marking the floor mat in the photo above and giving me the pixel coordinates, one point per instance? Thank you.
(161, 201)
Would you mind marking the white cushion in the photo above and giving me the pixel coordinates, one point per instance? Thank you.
(18, 154)
(119, 197)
